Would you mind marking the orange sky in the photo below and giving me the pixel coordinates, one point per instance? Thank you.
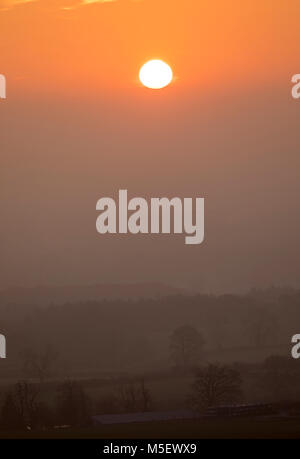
(61, 44)
(227, 129)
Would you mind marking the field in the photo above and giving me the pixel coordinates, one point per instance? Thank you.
(209, 429)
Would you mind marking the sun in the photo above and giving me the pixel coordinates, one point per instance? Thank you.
(156, 74)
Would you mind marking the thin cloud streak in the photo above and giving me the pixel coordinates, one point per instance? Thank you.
(85, 3)
(64, 4)
(8, 4)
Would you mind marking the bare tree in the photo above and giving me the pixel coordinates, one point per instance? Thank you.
(22, 408)
(73, 405)
(133, 396)
(11, 418)
(215, 385)
(145, 395)
(185, 346)
(25, 399)
(127, 396)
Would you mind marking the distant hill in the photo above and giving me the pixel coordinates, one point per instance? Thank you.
(45, 295)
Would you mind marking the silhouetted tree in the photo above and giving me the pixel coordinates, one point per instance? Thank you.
(25, 395)
(21, 407)
(133, 396)
(127, 396)
(215, 385)
(73, 404)
(11, 418)
(145, 395)
(185, 346)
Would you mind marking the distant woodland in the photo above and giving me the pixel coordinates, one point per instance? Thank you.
(135, 335)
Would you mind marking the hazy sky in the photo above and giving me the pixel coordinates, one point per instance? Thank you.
(77, 126)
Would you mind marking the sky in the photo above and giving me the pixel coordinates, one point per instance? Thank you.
(77, 125)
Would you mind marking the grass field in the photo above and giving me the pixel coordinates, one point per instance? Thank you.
(195, 429)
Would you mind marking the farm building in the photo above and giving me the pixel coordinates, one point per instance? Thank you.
(155, 416)
(149, 416)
